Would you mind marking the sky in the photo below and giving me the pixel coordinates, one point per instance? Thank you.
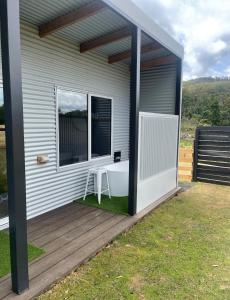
(71, 101)
(202, 27)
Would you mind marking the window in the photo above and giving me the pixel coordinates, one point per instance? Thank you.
(82, 138)
(73, 127)
(100, 126)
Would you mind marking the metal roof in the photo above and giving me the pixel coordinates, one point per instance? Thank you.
(38, 12)
(135, 15)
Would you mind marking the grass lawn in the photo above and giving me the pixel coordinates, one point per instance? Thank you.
(115, 204)
(33, 253)
(180, 251)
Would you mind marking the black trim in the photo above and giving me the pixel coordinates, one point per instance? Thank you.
(178, 105)
(12, 86)
(134, 118)
(178, 87)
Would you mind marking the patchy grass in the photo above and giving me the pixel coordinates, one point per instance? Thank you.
(117, 205)
(33, 253)
(180, 251)
(186, 143)
(188, 128)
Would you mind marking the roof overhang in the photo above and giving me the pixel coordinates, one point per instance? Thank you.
(136, 16)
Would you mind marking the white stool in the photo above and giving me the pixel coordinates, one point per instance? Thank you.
(97, 173)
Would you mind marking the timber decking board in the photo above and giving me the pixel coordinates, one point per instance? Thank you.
(47, 228)
(65, 252)
(61, 233)
(44, 241)
(55, 217)
(70, 243)
(58, 211)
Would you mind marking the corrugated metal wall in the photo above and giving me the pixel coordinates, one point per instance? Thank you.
(158, 144)
(158, 90)
(52, 61)
(157, 160)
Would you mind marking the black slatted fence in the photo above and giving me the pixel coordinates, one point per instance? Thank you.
(212, 155)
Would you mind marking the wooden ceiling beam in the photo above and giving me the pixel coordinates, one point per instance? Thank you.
(127, 54)
(106, 39)
(72, 17)
(164, 60)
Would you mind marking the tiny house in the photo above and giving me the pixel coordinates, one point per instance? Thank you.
(85, 82)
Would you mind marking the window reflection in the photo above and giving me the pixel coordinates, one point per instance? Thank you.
(73, 127)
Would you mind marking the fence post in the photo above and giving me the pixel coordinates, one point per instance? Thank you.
(195, 154)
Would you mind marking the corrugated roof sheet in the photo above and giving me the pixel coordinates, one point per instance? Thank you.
(38, 12)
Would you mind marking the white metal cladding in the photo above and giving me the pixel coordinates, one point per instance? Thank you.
(46, 63)
(158, 144)
(158, 90)
(157, 159)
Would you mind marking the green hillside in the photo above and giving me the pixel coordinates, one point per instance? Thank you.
(206, 101)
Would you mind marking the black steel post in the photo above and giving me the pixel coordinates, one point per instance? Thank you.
(12, 87)
(134, 118)
(178, 87)
(178, 105)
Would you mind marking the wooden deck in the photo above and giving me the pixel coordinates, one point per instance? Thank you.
(69, 235)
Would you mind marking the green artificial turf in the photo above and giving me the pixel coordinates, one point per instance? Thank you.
(179, 251)
(117, 205)
(33, 253)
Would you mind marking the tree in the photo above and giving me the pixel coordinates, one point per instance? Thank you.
(207, 100)
(215, 112)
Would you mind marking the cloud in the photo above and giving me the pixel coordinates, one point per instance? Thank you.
(202, 26)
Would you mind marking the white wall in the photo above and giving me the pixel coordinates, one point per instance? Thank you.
(157, 168)
(48, 62)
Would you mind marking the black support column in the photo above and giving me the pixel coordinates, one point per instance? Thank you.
(178, 87)
(134, 118)
(12, 87)
(178, 105)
